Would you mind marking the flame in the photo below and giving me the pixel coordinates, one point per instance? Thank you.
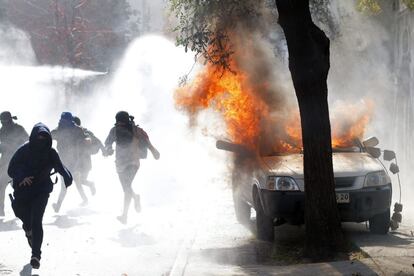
(349, 122)
(251, 120)
(230, 94)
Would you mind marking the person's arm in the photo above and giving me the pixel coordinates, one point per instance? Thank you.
(155, 153)
(108, 143)
(61, 169)
(17, 170)
(143, 135)
(23, 135)
(86, 136)
(97, 142)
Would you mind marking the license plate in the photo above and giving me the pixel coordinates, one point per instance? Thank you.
(342, 197)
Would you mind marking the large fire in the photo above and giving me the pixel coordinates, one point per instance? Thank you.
(253, 121)
(230, 94)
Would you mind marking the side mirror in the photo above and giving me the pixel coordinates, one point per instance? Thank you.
(394, 168)
(389, 155)
(374, 152)
(371, 142)
(235, 148)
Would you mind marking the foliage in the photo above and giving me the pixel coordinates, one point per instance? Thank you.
(409, 4)
(204, 26)
(369, 6)
(374, 6)
(87, 34)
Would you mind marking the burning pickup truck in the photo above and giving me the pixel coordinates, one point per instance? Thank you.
(274, 187)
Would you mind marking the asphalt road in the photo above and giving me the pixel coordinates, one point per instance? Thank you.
(180, 231)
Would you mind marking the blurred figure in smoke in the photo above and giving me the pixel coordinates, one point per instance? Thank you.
(85, 160)
(71, 140)
(30, 169)
(12, 136)
(132, 144)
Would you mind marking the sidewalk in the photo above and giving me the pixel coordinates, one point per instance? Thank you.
(223, 247)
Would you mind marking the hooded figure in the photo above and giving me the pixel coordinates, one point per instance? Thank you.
(30, 169)
(12, 136)
(71, 141)
(132, 143)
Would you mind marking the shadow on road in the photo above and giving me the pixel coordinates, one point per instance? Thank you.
(79, 212)
(359, 233)
(4, 270)
(250, 251)
(27, 271)
(282, 257)
(10, 225)
(66, 222)
(131, 237)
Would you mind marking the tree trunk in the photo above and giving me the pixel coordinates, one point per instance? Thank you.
(308, 49)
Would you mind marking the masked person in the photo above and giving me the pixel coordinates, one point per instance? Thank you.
(132, 144)
(71, 140)
(30, 169)
(12, 136)
(85, 160)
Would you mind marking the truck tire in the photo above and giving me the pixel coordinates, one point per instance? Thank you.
(242, 210)
(264, 224)
(380, 223)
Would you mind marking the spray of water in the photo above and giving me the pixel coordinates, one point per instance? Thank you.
(173, 189)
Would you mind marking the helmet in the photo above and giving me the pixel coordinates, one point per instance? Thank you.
(6, 116)
(122, 117)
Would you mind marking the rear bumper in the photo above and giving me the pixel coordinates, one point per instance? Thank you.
(364, 204)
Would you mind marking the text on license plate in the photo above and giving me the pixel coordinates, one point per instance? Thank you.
(342, 197)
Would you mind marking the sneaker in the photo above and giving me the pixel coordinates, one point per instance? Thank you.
(29, 237)
(56, 207)
(35, 262)
(137, 203)
(122, 219)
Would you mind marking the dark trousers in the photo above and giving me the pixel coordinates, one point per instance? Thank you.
(30, 211)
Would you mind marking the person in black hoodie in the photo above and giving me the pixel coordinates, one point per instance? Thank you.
(30, 169)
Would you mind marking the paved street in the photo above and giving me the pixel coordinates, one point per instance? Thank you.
(182, 232)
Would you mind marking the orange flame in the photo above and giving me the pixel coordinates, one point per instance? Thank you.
(231, 95)
(249, 118)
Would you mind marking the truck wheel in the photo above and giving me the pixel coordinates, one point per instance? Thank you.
(264, 224)
(380, 224)
(242, 210)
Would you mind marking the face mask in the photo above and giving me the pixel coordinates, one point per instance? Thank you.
(41, 144)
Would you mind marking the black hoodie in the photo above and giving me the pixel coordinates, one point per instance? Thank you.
(36, 158)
